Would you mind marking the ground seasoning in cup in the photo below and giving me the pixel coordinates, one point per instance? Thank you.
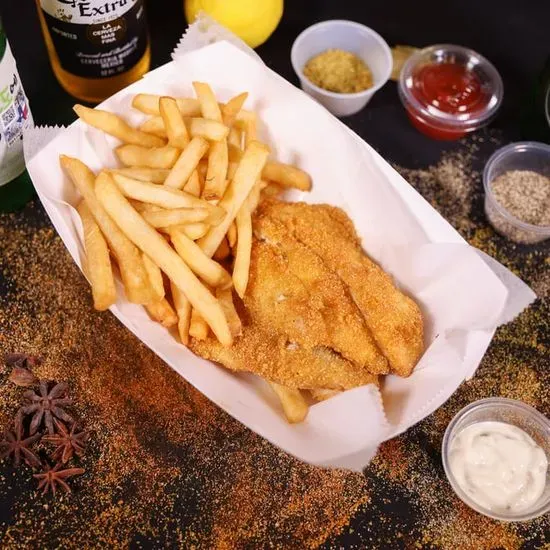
(338, 71)
(524, 194)
(517, 191)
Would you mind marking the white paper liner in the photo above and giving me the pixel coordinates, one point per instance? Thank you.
(205, 31)
(462, 298)
(37, 137)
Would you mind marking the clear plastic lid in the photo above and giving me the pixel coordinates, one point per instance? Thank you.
(481, 73)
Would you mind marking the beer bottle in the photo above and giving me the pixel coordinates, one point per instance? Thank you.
(96, 47)
(15, 185)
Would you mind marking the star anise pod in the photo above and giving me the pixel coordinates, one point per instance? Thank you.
(68, 442)
(21, 360)
(13, 443)
(50, 478)
(21, 376)
(46, 405)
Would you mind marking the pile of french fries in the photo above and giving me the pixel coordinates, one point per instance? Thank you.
(175, 219)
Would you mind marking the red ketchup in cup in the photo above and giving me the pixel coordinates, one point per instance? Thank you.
(449, 91)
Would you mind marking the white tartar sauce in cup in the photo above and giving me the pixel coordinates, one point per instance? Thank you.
(498, 465)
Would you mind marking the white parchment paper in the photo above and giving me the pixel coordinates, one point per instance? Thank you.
(462, 298)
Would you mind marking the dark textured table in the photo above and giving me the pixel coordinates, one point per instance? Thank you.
(165, 467)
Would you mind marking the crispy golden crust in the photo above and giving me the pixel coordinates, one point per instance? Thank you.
(274, 358)
(292, 291)
(393, 318)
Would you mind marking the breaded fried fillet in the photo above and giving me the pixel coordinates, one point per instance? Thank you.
(393, 318)
(292, 292)
(274, 358)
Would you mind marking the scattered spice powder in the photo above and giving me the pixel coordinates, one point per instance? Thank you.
(170, 469)
(338, 71)
(451, 186)
(165, 467)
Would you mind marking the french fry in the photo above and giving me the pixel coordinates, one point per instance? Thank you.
(234, 153)
(173, 123)
(232, 108)
(154, 175)
(250, 124)
(232, 170)
(241, 268)
(155, 276)
(193, 185)
(320, 394)
(186, 163)
(198, 328)
(223, 251)
(155, 126)
(142, 207)
(150, 242)
(211, 272)
(194, 230)
(225, 297)
(245, 115)
(189, 106)
(135, 278)
(232, 234)
(287, 175)
(209, 105)
(163, 313)
(247, 173)
(254, 196)
(160, 195)
(202, 168)
(115, 126)
(183, 310)
(177, 216)
(235, 138)
(293, 402)
(271, 189)
(214, 185)
(211, 130)
(155, 157)
(149, 104)
(99, 269)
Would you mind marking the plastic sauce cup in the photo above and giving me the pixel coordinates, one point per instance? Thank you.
(510, 411)
(522, 155)
(352, 37)
(448, 110)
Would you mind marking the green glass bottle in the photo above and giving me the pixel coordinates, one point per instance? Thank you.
(16, 188)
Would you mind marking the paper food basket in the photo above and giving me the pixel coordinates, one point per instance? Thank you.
(463, 294)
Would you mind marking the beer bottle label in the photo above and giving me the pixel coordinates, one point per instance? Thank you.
(97, 38)
(15, 116)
